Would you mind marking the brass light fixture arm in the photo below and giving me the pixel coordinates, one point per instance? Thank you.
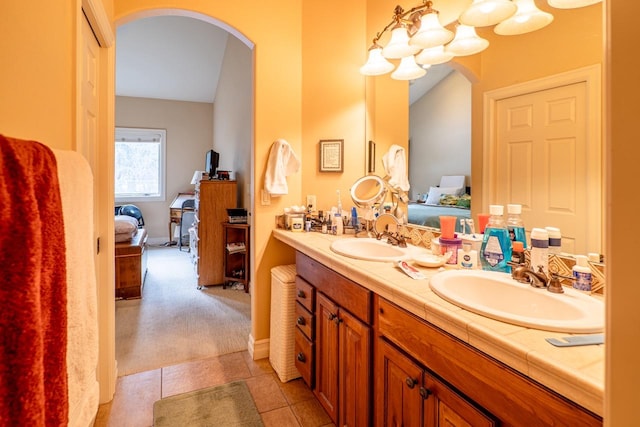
(399, 17)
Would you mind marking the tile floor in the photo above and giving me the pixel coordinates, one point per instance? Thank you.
(280, 404)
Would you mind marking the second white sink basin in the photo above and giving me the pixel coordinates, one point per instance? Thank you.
(370, 249)
(498, 296)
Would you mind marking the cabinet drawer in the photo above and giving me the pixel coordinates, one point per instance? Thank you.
(305, 358)
(305, 294)
(344, 292)
(305, 321)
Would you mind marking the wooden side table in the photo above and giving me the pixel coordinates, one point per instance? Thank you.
(236, 254)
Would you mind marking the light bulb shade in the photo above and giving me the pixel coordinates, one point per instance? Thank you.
(431, 32)
(434, 55)
(408, 70)
(398, 47)
(466, 42)
(571, 4)
(376, 63)
(483, 13)
(528, 18)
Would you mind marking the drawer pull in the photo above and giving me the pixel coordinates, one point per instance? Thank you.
(301, 357)
(425, 393)
(301, 294)
(411, 383)
(301, 321)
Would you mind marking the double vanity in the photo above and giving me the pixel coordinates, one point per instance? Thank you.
(380, 348)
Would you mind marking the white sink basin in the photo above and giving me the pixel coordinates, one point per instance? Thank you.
(498, 296)
(371, 249)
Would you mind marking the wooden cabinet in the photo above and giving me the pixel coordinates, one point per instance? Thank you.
(236, 254)
(342, 341)
(213, 198)
(462, 384)
(131, 265)
(410, 396)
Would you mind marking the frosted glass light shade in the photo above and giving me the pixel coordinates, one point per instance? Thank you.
(376, 63)
(571, 4)
(434, 55)
(408, 70)
(466, 42)
(528, 18)
(482, 13)
(431, 32)
(398, 47)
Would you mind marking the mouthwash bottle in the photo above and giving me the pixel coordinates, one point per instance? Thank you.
(515, 224)
(495, 251)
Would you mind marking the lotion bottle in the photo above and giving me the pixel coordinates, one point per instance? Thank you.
(582, 274)
(540, 250)
(467, 257)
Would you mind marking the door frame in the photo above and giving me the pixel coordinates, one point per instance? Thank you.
(592, 77)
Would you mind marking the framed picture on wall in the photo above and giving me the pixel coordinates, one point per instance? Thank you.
(331, 151)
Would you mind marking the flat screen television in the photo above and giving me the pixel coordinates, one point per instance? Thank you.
(211, 163)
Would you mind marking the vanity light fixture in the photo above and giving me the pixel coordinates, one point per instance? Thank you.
(418, 37)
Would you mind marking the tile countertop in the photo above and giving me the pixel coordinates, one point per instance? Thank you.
(575, 372)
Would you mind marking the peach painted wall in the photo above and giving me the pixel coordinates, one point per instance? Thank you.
(333, 48)
(37, 77)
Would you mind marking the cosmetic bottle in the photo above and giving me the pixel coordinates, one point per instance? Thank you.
(555, 240)
(540, 250)
(495, 251)
(467, 257)
(515, 224)
(582, 274)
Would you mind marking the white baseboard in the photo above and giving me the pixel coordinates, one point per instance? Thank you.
(258, 349)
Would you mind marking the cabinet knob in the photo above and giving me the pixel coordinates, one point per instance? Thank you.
(332, 316)
(411, 383)
(301, 294)
(301, 320)
(425, 393)
(301, 357)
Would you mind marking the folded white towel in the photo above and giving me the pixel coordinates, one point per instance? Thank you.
(282, 163)
(395, 166)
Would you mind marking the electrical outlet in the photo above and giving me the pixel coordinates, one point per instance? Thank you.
(311, 203)
(265, 198)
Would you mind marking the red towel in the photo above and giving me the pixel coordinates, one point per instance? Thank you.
(33, 291)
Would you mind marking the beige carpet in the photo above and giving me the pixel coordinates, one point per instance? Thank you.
(174, 322)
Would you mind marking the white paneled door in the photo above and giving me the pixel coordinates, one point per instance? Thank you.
(542, 161)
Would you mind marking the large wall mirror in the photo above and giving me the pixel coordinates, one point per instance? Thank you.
(443, 119)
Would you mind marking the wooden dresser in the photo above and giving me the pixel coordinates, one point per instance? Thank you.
(213, 198)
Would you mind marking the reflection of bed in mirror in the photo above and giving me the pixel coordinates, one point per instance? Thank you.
(429, 215)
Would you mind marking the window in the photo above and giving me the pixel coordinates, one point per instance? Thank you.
(140, 164)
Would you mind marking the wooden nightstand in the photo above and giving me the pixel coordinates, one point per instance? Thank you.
(236, 254)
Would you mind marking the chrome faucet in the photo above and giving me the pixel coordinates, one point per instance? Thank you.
(395, 239)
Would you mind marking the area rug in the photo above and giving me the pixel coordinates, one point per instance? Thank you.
(226, 405)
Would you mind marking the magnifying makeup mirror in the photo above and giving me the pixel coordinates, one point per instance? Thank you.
(368, 191)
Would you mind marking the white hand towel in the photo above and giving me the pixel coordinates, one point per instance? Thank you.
(282, 163)
(395, 166)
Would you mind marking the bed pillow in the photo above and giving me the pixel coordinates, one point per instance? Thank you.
(436, 192)
(125, 224)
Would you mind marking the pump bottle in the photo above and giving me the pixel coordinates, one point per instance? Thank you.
(540, 250)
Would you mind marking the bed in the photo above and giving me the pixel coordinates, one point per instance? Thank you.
(449, 198)
(429, 215)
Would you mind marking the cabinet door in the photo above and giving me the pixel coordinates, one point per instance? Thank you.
(327, 355)
(354, 379)
(444, 407)
(398, 400)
